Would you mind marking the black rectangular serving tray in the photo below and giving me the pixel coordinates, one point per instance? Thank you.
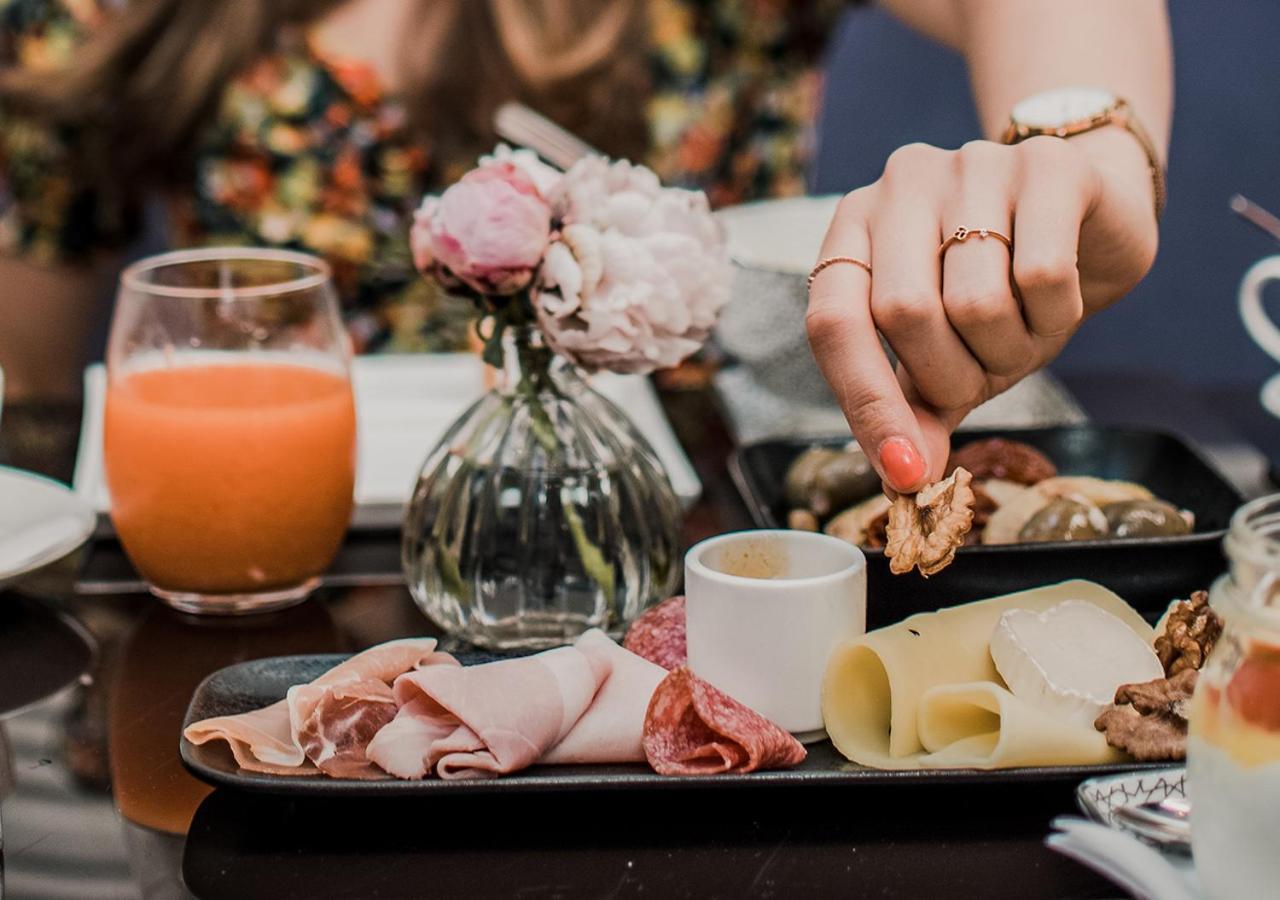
(252, 685)
(1147, 572)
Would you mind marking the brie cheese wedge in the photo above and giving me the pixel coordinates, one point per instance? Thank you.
(1069, 660)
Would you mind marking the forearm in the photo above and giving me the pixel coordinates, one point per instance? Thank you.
(1016, 48)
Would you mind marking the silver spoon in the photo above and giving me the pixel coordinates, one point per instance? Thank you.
(1165, 823)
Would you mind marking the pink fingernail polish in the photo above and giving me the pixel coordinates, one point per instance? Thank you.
(901, 463)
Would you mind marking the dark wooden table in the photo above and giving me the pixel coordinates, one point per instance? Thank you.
(95, 803)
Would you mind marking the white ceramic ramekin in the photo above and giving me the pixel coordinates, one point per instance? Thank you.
(765, 640)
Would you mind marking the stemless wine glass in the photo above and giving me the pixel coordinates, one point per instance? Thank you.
(230, 433)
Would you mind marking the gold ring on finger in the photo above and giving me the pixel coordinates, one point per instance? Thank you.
(962, 234)
(831, 261)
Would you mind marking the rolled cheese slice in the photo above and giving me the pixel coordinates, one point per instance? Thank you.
(880, 693)
(1069, 659)
(983, 726)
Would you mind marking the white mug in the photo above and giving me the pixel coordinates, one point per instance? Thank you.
(764, 611)
(1256, 321)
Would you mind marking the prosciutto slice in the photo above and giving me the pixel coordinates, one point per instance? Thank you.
(342, 723)
(692, 728)
(492, 719)
(321, 726)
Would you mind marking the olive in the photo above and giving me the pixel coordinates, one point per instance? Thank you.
(847, 478)
(1145, 518)
(1064, 519)
(802, 473)
(823, 480)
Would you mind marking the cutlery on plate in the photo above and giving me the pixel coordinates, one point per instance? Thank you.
(1164, 822)
(525, 127)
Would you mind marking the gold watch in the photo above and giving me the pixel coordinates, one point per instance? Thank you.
(1069, 111)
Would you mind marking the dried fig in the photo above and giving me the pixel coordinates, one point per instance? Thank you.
(1005, 459)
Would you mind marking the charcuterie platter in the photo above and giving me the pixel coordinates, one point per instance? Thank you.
(257, 683)
(1053, 683)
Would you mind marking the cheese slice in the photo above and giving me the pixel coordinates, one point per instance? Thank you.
(1068, 660)
(924, 691)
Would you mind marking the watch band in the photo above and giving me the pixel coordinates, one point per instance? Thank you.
(1119, 113)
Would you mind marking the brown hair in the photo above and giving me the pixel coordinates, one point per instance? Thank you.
(151, 76)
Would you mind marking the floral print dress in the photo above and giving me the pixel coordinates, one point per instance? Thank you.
(308, 152)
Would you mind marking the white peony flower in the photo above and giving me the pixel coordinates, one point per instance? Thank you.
(638, 273)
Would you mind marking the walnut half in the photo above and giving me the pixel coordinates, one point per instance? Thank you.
(1149, 720)
(924, 530)
(1189, 634)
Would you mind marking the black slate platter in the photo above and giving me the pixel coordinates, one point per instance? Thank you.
(1147, 572)
(258, 683)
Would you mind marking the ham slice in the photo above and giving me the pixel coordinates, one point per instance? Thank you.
(659, 634)
(692, 728)
(492, 719)
(612, 728)
(271, 740)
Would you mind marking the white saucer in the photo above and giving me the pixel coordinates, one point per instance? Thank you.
(40, 521)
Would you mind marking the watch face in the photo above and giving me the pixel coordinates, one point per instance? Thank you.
(1065, 106)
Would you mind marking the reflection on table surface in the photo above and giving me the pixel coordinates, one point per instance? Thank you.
(94, 801)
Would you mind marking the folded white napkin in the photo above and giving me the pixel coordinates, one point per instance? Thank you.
(404, 403)
(1138, 868)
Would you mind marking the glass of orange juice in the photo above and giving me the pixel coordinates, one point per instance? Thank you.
(230, 435)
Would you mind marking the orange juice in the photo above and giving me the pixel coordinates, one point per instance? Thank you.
(230, 478)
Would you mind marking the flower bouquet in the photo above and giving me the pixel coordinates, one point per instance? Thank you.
(543, 512)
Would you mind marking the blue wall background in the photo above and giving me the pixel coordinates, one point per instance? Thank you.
(1182, 319)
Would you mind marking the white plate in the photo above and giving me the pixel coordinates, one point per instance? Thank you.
(404, 403)
(40, 521)
(1099, 798)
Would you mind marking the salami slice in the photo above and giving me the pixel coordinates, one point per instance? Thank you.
(691, 728)
(658, 635)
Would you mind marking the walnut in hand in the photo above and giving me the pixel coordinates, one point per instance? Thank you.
(926, 528)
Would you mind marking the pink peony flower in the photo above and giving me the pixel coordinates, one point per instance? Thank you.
(638, 273)
(489, 231)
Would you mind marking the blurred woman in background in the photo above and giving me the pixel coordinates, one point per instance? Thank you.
(316, 124)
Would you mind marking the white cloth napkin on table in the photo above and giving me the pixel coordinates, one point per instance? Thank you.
(404, 403)
(1141, 870)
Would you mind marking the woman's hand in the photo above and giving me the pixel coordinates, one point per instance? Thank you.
(965, 327)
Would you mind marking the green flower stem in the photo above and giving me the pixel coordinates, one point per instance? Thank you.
(535, 369)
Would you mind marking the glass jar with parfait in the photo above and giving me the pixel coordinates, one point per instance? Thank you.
(1233, 752)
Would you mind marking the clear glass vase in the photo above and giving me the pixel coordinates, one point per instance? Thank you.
(541, 513)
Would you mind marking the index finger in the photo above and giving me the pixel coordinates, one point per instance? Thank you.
(847, 348)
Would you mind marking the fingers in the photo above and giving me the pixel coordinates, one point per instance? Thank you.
(977, 293)
(906, 296)
(964, 327)
(844, 341)
(1050, 207)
